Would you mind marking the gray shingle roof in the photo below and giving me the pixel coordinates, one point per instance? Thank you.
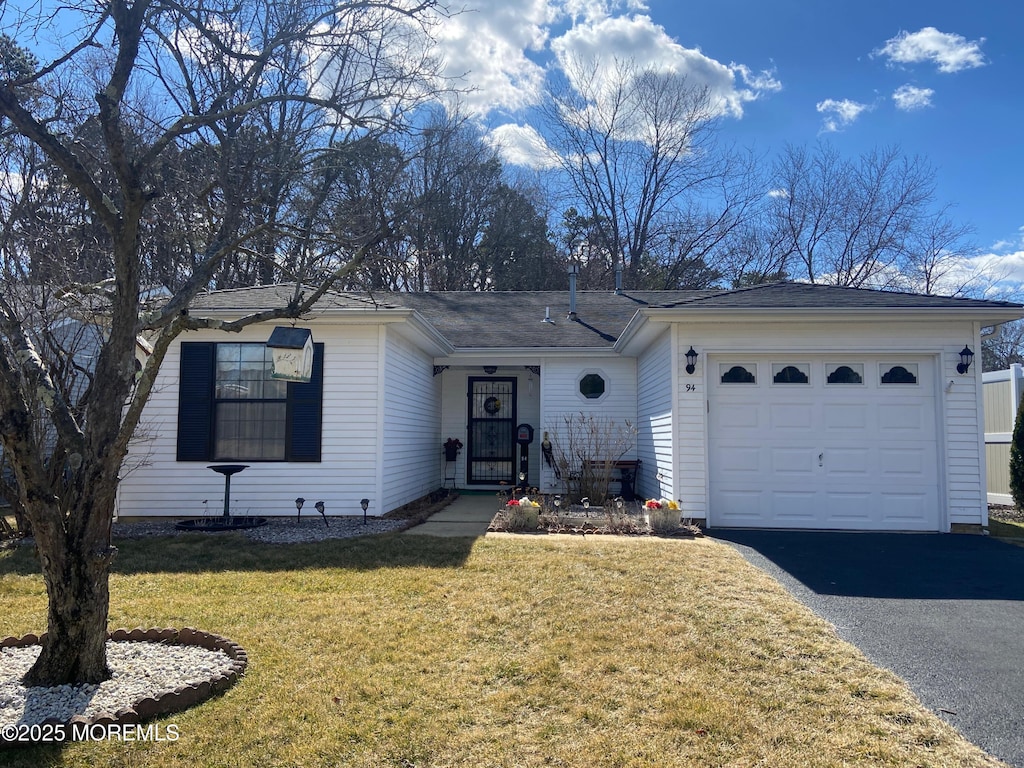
(808, 296)
(515, 319)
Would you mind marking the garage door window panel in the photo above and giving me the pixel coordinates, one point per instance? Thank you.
(738, 374)
(799, 373)
(898, 374)
(845, 373)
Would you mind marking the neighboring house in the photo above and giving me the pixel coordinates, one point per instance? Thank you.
(805, 406)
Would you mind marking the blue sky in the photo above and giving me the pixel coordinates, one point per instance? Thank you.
(941, 79)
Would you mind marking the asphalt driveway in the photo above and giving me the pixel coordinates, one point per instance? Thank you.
(945, 612)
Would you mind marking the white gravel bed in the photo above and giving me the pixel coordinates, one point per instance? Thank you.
(139, 670)
(278, 530)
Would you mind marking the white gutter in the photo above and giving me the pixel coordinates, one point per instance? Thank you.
(348, 316)
(987, 315)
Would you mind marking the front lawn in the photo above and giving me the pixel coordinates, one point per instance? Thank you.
(504, 651)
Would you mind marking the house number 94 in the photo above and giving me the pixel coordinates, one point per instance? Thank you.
(691, 387)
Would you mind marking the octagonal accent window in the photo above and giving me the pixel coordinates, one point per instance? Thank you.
(592, 386)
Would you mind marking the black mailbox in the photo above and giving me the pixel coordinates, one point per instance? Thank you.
(524, 434)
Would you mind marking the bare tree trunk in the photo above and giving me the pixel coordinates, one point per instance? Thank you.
(76, 569)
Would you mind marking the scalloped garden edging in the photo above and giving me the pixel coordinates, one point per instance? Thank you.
(147, 708)
(591, 526)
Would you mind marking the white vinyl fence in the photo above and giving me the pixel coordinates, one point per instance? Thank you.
(1002, 392)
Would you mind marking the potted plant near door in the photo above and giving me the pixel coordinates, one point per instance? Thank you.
(452, 446)
(662, 514)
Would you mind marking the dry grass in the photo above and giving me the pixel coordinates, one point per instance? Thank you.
(507, 651)
(1008, 530)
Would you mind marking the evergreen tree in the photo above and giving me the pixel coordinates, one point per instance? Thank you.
(1017, 459)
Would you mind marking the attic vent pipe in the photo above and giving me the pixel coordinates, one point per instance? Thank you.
(547, 316)
(574, 270)
(618, 279)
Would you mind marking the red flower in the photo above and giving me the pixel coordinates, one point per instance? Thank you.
(513, 503)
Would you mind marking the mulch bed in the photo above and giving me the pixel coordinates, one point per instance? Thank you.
(419, 510)
(1005, 512)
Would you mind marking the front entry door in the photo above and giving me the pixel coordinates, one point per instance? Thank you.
(492, 421)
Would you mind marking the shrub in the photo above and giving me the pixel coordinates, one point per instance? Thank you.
(1017, 459)
(585, 449)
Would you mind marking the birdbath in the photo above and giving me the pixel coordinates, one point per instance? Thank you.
(227, 470)
(225, 522)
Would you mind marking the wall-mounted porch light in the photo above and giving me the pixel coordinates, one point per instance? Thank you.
(691, 360)
(364, 503)
(292, 350)
(489, 369)
(966, 358)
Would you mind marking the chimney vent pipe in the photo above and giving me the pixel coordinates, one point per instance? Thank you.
(574, 270)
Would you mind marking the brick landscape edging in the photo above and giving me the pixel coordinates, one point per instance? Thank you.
(165, 703)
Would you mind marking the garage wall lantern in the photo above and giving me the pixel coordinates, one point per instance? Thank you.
(966, 357)
(691, 360)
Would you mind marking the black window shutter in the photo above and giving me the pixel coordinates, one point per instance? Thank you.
(305, 412)
(195, 401)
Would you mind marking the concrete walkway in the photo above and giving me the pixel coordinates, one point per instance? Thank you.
(468, 515)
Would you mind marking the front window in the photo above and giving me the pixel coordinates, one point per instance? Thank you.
(231, 409)
(250, 407)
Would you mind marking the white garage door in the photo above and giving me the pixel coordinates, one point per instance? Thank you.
(823, 443)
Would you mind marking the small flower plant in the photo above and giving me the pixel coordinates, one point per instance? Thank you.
(453, 444)
(661, 504)
(525, 502)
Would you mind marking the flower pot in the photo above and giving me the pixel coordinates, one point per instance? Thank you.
(451, 454)
(663, 519)
(522, 518)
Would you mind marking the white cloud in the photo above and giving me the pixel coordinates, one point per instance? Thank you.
(1003, 273)
(949, 52)
(639, 40)
(763, 81)
(839, 114)
(592, 11)
(487, 47)
(523, 145)
(909, 97)
(498, 51)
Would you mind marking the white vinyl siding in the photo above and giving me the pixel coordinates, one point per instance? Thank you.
(155, 484)
(654, 419)
(412, 423)
(561, 397)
